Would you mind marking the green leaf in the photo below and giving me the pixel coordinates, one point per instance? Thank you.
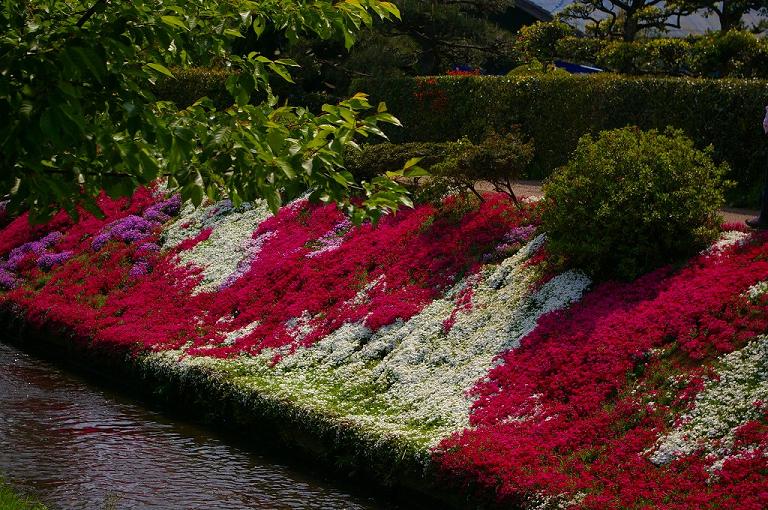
(259, 25)
(174, 21)
(411, 162)
(280, 71)
(416, 171)
(161, 69)
(286, 167)
(336, 176)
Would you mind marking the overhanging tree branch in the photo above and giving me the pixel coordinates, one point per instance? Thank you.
(89, 13)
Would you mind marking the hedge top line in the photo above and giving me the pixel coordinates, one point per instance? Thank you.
(222, 74)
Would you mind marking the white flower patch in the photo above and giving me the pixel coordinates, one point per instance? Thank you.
(232, 336)
(726, 239)
(757, 290)
(299, 327)
(721, 407)
(229, 250)
(418, 372)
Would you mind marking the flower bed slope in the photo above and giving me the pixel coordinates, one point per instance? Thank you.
(436, 335)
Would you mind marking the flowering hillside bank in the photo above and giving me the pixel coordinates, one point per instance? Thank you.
(439, 339)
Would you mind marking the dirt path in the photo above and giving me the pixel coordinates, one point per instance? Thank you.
(533, 188)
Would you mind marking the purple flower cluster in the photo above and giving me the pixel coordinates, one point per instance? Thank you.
(512, 242)
(129, 229)
(7, 279)
(134, 228)
(36, 247)
(39, 250)
(520, 234)
(48, 260)
(163, 211)
(139, 268)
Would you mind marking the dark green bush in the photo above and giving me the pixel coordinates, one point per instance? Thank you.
(377, 159)
(621, 57)
(454, 167)
(538, 41)
(556, 111)
(191, 84)
(734, 53)
(582, 50)
(668, 56)
(653, 56)
(498, 160)
(630, 201)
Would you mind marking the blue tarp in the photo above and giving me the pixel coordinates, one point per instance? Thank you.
(576, 68)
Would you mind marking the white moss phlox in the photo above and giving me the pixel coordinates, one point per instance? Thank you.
(735, 397)
(419, 372)
(230, 246)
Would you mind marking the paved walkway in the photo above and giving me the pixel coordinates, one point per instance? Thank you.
(533, 188)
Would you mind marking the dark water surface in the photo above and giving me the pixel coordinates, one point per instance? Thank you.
(76, 445)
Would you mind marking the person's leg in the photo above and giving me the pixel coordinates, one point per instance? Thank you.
(761, 222)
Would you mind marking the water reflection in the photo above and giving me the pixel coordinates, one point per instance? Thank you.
(81, 447)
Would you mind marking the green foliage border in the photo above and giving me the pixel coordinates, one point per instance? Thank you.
(557, 110)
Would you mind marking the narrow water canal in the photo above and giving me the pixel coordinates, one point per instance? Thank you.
(79, 446)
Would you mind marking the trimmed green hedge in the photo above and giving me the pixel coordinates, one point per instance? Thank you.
(557, 110)
(189, 85)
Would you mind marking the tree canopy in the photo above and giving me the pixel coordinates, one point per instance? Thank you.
(626, 19)
(80, 115)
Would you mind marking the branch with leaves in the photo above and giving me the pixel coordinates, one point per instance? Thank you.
(80, 117)
(625, 19)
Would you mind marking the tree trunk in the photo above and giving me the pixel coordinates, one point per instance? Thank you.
(730, 16)
(630, 27)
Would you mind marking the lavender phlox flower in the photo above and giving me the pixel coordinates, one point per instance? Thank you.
(52, 238)
(147, 249)
(332, 239)
(140, 268)
(37, 247)
(132, 228)
(155, 215)
(99, 241)
(162, 211)
(129, 229)
(48, 260)
(7, 279)
(17, 255)
(511, 242)
(519, 234)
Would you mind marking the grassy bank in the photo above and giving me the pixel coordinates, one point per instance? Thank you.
(12, 500)
(239, 401)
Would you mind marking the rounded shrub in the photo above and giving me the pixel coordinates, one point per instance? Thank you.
(630, 201)
(538, 41)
